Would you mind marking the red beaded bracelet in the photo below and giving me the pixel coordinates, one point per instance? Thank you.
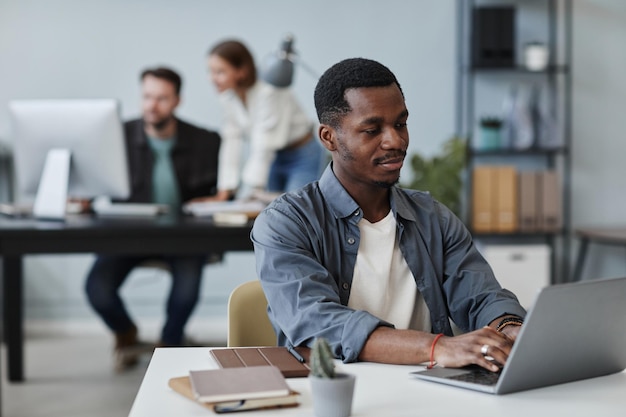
(432, 351)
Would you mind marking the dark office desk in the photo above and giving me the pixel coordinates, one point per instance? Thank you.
(86, 234)
(614, 236)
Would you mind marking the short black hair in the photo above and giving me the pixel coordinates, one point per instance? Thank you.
(164, 73)
(329, 96)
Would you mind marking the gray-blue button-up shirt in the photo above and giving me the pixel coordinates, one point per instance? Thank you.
(306, 244)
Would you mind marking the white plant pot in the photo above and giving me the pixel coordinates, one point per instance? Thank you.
(536, 57)
(332, 397)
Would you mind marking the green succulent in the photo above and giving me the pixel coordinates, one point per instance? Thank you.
(321, 360)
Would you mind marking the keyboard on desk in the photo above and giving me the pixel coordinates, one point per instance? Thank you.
(16, 210)
(130, 209)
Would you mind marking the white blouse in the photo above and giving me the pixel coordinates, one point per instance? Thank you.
(271, 120)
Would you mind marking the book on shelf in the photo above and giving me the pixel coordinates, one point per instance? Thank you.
(182, 385)
(528, 201)
(551, 215)
(278, 356)
(482, 199)
(506, 199)
(235, 384)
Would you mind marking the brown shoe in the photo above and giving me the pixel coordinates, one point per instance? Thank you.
(127, 357)
(128, 349)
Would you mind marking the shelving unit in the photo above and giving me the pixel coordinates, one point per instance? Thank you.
(482, 90)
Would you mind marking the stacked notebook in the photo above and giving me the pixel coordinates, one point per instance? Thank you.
(237, 389)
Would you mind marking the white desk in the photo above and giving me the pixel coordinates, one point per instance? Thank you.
(388, 390)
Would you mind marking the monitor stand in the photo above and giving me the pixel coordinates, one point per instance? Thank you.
(51, 199)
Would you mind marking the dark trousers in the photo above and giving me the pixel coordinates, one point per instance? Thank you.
(108, 273)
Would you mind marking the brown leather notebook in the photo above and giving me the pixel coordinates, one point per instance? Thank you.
(277, 356)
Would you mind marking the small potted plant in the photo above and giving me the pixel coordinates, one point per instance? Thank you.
(332, 391)
(490, 133)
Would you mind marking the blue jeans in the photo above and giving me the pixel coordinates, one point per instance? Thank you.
(108, 273)
(297, 167)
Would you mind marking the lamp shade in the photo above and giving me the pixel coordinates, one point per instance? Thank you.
(278, 68)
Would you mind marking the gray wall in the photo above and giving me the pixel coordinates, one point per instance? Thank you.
(599, 90)
(72, 48)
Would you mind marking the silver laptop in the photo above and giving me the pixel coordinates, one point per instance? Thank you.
(573, 331)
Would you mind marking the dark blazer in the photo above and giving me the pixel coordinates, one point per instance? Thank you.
(194, 157)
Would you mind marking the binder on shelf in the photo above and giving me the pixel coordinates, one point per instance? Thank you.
(528, 201)
(482, 199)
(551, 216)
(506, 199)
(493, 36)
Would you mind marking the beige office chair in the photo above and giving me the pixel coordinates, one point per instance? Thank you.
(248, 324)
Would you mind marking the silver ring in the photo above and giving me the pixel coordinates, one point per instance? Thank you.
(484, 350)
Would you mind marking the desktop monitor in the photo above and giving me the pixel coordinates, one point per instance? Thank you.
(69, 147)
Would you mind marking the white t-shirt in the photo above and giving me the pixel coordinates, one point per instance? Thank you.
(382, 283)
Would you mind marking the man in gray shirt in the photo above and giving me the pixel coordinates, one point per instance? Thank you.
(377, 270)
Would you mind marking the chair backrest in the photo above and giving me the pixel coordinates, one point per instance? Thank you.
(248, 324)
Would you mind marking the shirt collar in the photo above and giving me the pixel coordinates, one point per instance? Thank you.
(343, 205)
(399, 204)
(339, 201)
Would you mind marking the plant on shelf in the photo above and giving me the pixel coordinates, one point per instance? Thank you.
(490, 122)
(441, 174)
(490, 137)
(332, 391)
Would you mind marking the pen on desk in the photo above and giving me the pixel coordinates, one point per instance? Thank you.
(295, 354)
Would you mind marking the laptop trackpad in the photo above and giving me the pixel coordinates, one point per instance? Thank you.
(442, 372)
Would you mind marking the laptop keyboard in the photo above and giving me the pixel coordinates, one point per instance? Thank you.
(478, 376)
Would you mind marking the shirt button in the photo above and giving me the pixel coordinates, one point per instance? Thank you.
(356, 213)
(345, 286)
(351, 241)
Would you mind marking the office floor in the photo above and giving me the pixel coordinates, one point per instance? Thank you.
(72, 376)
